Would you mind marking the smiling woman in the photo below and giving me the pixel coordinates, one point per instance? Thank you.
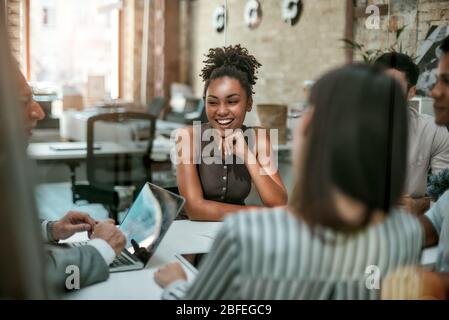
(219, 183)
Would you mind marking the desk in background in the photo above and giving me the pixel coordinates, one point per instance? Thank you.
(52, 161)
(47, 151)
(73, 125)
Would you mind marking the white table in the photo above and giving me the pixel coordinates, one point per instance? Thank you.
(184, 236)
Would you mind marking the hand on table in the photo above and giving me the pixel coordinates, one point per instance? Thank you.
(169, 274)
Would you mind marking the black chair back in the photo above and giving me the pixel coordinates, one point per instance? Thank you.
(118, 162)
(119, 147)
(156, 106)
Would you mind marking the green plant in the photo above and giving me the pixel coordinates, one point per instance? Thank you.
(370, 55)
(438, 184)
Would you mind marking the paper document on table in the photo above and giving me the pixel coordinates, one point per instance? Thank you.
(72, 146)
(211, 235)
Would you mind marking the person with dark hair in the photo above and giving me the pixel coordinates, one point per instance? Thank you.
(341, 220)
(222, 158)
(401, 67)
(436, 220)
(440, 91)
(428, 147)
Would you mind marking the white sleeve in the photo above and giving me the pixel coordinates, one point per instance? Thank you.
(44, 230)
(175, 290)
(440, 150)
(104, 248)
(438, 211)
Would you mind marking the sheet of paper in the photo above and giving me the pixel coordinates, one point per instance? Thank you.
(211, 235)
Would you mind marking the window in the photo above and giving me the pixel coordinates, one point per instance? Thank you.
(74, 45)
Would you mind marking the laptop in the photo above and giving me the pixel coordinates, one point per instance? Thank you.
(146, 222)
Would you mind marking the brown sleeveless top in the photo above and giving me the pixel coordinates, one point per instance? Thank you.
(224, 180)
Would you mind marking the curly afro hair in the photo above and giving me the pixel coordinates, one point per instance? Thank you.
(234, 62)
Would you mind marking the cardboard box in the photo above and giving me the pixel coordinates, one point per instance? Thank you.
(72, 102)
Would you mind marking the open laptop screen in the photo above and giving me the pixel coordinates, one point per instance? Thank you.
(143, 220)
(150, 216)
(171, 204)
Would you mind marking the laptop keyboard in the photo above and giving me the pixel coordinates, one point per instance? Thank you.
(122, 260)
(78, 244)
(125, 258)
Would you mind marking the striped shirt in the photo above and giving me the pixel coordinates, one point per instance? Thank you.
(271, 254)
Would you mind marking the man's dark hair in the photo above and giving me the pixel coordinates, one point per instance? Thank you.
(400, 62)
(445, 45)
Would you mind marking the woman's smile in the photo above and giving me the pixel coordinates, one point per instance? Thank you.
(225, 123)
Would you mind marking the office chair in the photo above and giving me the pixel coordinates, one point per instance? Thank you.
(156, 106)
(118, 163)
(194, 111)
(199, 114)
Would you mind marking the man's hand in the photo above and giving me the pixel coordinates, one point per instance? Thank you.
(72, 223)
(107, 231)
(169, 273)
(416, 206)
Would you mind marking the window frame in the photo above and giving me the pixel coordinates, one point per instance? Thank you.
(27, 45)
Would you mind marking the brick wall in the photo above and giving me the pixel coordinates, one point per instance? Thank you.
(289, 54)
(416, 15)
(431, 12)
(132, 26)
(292, 54)
(128, 26)
(184, 16)
(15, 28)
(163, 48)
